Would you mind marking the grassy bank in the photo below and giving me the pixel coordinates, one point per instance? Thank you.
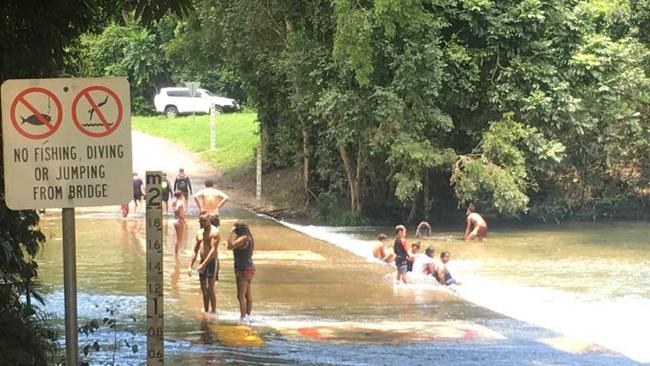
(236, 138)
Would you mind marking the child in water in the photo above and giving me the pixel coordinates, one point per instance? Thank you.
(402, 255)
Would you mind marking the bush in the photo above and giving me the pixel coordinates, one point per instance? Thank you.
(26, 338)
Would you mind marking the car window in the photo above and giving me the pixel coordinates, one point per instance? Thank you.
(208, 93)
(178, 93)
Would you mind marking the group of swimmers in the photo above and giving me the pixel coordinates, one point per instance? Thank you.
(408, 260)
(205, 256)
(240, 241)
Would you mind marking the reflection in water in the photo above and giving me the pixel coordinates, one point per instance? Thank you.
(301, 279)
(174, 277)
(205, 334)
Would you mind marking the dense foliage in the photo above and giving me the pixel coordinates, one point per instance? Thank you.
(412, 107)
(418, 107)
(35, 42)
(536, 106)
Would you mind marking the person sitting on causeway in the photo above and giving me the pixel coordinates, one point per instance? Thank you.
(442, 272)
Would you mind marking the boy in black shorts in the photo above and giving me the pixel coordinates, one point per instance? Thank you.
(207, 240)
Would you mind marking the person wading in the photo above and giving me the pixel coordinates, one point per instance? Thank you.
(476, 226)
(242, 244)
(207, 240)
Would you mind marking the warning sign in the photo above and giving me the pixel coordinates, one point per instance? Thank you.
(66, 142)
(101, 103)
(36, 113)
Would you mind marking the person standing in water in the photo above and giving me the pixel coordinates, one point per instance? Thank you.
(166, 193)
(402, 256)
(210, 200)
(207, 239)
(138, 191)
(178, 205)
(476, 226)
(242, 244)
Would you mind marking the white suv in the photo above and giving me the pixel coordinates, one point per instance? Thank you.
(175, 101)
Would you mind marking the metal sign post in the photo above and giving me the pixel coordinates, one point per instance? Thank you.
(70, 287)
(66, 144)
(213, 127)
(193, 86)
(155, 319)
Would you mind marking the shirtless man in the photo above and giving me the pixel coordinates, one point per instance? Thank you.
(211, 200)
(421, 227)
(207, 239)
(381, 251)
(476, 226)
(442, 272)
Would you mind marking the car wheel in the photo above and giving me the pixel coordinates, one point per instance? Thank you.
(218, 109)
(171, 111)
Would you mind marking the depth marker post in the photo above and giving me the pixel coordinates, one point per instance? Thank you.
(155, 300)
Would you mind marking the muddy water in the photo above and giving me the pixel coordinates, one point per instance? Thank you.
(590, 281)
(324, 302)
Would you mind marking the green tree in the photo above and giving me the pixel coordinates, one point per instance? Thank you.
(130, 51)
(523, 105)
(33, 48)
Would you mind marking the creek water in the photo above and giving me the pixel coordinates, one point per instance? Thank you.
(320, 299)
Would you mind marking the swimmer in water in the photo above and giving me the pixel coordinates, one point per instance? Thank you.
(476, 226)
(381, 251)
(442, 272)
(415, 248)
(425, 265)
(421, 227)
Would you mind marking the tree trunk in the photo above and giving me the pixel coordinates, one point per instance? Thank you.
(353, 180)
(427, 195)
(288, 23)
(305, 167)
(414, 209)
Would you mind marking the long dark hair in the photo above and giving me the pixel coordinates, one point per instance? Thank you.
(241, 229)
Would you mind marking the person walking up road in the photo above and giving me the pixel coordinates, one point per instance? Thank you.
(182, 183)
